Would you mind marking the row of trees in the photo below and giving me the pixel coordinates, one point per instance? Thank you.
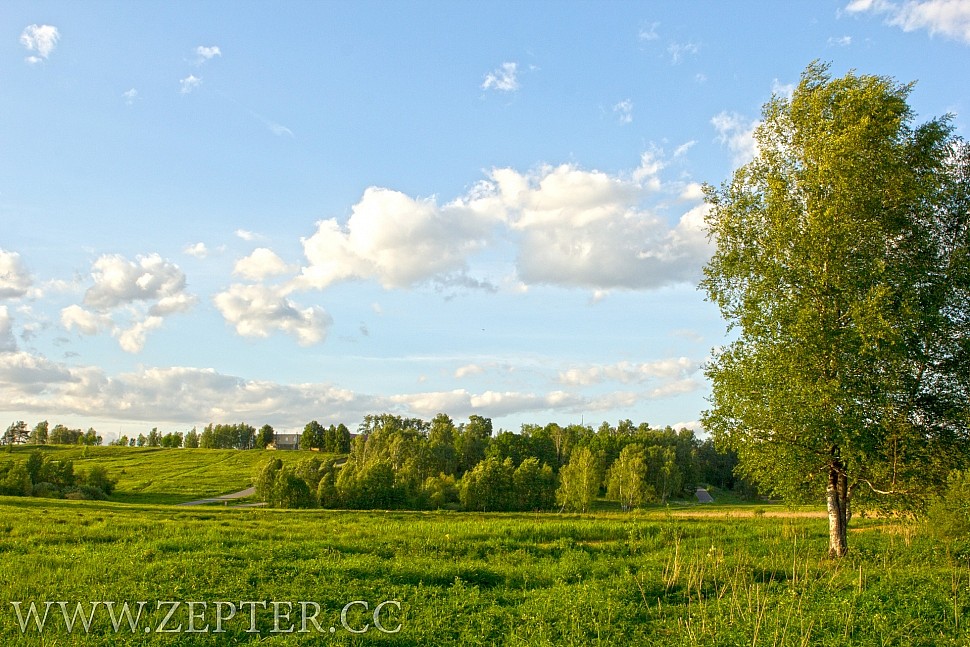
(19, 434)
(397, 462)
(214, 436)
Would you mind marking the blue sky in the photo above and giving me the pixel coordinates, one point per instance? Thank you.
(272, 213)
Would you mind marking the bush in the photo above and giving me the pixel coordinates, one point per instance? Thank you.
(85, 493)
(47, 491)
(949, 512)
(97, 476)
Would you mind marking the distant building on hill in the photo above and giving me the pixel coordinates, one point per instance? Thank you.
(285, 441)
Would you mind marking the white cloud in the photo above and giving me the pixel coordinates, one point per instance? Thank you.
(119, 281)
(624, 111)
(258, 311)
(693, 191)
(468, 369)
(199, 250)
(15, 280)
(132, 340)
(41, 39)
(189, 83)
(841, 41)
(247, 235)
(951, 18)
(261, 264)
(206, 53)
(678, 51)
(670, 369)
(398, 240)
(130, 96)
(85, 321)
(503, 79)
(586, 229)
(7, 342)
(129, 299)
(572, 227)
(737, 133)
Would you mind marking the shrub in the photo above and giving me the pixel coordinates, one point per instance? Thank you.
(949, 512)
(85, 493)
(47, 491)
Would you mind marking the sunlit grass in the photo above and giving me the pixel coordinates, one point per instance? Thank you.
(650, 578)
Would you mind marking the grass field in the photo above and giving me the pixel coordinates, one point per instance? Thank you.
(159, 475)
(722, 574)
(696, 576)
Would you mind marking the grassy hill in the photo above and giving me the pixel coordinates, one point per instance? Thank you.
(161, 475)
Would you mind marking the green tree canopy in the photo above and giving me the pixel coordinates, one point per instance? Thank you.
(841, 267)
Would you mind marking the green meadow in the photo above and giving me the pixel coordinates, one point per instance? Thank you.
(162, 475)
(721, 574)
(475, 579)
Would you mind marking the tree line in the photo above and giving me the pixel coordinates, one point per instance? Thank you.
(410, 463)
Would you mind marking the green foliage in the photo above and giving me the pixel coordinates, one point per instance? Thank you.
(627, 478)
(579, 481)
(489, 486)
(841, 267)
(949, 513)
(312, 437)
(534, 486)
(265, 479)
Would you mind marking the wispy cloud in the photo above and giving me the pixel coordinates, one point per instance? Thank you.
(41, 39)
(130, 96)
(503, 79)
(189, 83)
(624, 111)
(678, 51)
(840, 41)
(649, 32)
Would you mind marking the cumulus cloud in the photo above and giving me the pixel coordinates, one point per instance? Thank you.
(502, 79)
(580, 228)
(572, 228)
(129, 299)
(15, 280)
(41, 39)
(85, 321)
(262, 263)
(258, 311)
(950, 18)
(119, 281)
(189, 83)
(393, 238)
(737, 133)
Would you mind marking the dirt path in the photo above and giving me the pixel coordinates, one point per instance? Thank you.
(241, 494)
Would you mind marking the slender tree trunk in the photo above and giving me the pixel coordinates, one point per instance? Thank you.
(837, 495)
